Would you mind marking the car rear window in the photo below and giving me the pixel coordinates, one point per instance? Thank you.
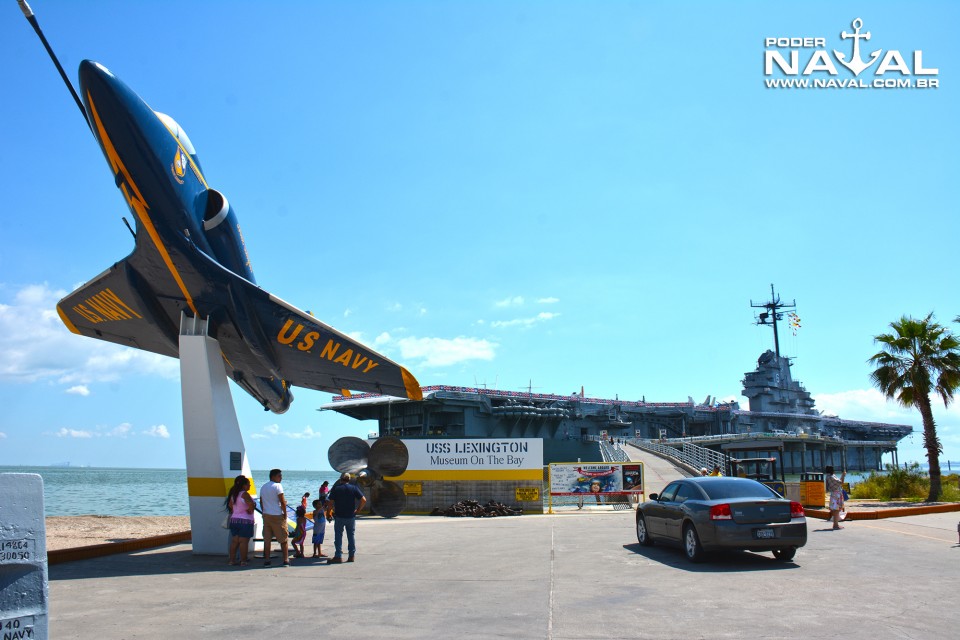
(726, 489)
(687, 492)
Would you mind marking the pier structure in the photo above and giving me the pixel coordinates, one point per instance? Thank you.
(571, 425)
(781, 420)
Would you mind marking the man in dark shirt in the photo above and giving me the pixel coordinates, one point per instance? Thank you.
(347, 499)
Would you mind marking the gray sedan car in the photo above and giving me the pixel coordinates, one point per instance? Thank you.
(711, 513)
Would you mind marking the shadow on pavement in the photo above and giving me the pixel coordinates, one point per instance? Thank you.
(716, 561)
(171, 560)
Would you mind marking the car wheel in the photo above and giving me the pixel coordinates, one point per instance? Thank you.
(691, 544)
(643, 536)
(785, 555)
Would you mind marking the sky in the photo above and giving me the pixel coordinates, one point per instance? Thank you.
(541, 196)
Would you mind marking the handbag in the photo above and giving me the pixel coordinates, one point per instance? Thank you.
(226, 522)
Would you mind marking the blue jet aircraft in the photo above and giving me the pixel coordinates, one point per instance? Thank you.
(190, 258)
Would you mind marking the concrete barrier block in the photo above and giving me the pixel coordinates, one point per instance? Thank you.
(24, 585)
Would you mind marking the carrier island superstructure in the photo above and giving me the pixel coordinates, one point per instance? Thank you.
(781, 420)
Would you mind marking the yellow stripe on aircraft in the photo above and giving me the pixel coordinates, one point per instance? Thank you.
(411, 385)
(137, 202)
(66, 321)
(186, 154)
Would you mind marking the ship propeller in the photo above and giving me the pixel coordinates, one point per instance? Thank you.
(387, 457)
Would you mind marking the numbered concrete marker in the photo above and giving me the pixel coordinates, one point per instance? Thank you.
(23, 557)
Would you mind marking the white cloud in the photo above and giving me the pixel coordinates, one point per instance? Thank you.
(268, 431)
(73, 433)
(515, 301)
(157, 431)
(306, 434)
(2, 435)
(120, 431)
(864, 404)
(870, 405)
(35, 346)
(439, 352)
(347, 312)
(272, 430)
(525, 322)
(382, 339)
(79, 390)
(548, 300)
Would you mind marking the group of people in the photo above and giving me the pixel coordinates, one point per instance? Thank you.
(715, 473)
(339, 504)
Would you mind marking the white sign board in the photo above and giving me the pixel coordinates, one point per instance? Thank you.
(475, 453)
(576, 478)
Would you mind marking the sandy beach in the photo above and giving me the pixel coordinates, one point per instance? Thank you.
(66, 532)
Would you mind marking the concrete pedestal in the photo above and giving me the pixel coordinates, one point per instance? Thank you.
(211, 433)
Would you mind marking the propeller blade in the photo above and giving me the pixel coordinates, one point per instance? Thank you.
(387, 499)
(389, 456)
(367, 477)
(348, 454)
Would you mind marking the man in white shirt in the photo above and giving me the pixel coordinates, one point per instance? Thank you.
(274, 508)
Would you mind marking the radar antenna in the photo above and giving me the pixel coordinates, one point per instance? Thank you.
(772, 315)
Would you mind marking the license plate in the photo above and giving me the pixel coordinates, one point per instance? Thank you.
(765, 533)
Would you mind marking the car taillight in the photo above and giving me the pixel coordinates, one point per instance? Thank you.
(720, 512)
(796, 510)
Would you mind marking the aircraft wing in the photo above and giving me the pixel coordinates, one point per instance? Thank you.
(304, 351)
(311, 354)
(110, 307)
(259, 334)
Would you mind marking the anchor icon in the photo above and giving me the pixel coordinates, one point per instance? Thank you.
(856, 64)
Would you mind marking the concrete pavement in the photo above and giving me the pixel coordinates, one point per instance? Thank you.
(575, 574)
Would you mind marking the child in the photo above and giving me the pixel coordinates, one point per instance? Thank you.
(319, 527)
(301, 531)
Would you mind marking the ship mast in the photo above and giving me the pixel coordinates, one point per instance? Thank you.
(772, 314)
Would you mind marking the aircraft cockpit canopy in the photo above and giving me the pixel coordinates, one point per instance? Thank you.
(178, 133)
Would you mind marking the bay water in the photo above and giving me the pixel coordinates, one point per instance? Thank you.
(75, 491)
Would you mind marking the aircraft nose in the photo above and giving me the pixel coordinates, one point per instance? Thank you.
(113, 109)
(94, 78)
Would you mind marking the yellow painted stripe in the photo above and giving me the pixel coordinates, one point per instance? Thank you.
(209, 487)
(66, 321)
(411, 385)
(186, 154)
(471, 474)
(137, 202)
(947, 536)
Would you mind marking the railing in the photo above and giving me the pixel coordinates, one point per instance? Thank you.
(779, 436)
(612, 453)
(688, 453)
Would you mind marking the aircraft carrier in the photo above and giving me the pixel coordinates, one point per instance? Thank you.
(781, 421)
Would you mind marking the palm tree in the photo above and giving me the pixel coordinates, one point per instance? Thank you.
(921, 357)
